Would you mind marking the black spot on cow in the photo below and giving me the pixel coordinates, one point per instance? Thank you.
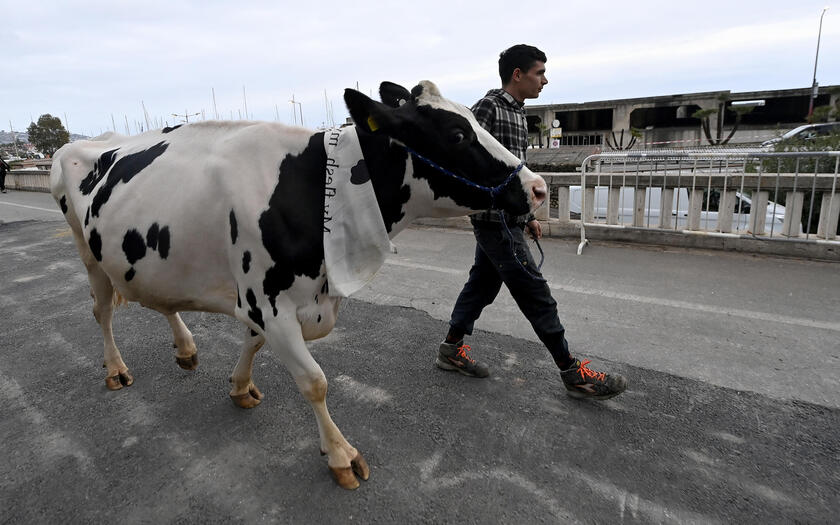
(87, 216)
(246, 261)
(129, 275)
(292, 226)
(254, 312)
(95, 243)
(163, 242)
(359, 173)
(133, 246)
(319, 318)
(123, 171)
(238, 299)
(152, 236)
(316, 299)
(254, 334)
(168, 129)
(234, 229)
(325, 288)
(389, 162)
(100, 169)
(63, 204)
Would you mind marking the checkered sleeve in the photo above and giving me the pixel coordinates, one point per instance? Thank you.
(485, 113)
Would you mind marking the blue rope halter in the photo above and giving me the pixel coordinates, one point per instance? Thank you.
(493, 191)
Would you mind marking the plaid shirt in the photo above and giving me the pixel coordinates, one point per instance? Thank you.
(504, 117)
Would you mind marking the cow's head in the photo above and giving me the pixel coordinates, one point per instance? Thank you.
(445, 137)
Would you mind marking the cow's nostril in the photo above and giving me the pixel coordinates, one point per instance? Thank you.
(539, 193)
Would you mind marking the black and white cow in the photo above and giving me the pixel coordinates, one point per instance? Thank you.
(274, 224)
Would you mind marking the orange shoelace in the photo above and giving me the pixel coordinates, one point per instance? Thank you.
(586, 372)
(462, 352)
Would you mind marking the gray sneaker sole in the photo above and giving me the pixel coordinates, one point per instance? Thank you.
(579, 395)
(443, 365)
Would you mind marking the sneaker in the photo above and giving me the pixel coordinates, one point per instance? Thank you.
(456, 357)
(582, 382)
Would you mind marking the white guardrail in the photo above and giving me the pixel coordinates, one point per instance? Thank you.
(716, 200)
(28, 180)
(772, 196)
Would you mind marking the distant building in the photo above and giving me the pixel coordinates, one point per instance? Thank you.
(666, 121)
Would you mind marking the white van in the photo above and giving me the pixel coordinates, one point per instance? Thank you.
(774, 217)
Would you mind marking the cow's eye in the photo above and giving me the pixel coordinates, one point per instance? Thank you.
(457, 136)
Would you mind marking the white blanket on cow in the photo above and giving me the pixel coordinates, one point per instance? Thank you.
(355, 239)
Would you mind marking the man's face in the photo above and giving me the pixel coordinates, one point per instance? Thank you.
(532, 81)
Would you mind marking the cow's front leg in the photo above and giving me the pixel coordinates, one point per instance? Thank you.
(345, 462)
(186, 355)
(244, 392)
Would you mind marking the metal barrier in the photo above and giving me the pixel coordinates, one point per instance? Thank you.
(767, 196)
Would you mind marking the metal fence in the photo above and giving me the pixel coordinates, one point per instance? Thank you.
(791, 196)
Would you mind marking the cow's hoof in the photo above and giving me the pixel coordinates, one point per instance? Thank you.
(360, 467)
(249, 399)
(346, 476)
(187, 363)
(120, 380)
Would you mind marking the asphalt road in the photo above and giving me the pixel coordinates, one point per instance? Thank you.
(708, 432)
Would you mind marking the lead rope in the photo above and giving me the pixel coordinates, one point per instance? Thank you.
(495, 190)
(538, 276)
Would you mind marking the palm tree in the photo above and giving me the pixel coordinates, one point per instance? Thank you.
(704, 114)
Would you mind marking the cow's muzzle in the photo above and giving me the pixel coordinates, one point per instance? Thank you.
(538, 191)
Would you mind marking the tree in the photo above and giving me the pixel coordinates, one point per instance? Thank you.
(704, 114)
(825, 113)
(48, 134)
(542, 129)
(618, 144)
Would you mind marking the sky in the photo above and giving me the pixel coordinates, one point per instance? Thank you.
(98, 64)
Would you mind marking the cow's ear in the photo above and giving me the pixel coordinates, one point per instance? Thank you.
(394, 95)
(367, 113)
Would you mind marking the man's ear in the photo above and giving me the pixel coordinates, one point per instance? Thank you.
(367, 113)
(394, 95)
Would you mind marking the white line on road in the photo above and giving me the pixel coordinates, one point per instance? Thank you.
(685, 305)
(424, 267)
(30, 207)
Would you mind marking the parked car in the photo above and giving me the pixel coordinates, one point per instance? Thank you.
(806, 132)
(774, 216)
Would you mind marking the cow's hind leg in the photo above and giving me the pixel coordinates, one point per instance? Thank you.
(345, 461)
(102, 290)
(244, 392)
(186, 355)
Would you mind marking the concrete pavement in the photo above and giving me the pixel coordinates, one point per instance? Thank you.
(709, 431)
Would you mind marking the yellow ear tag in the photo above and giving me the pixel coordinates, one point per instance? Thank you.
(372, 124)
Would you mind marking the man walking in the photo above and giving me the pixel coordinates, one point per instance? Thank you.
(3, 168)
(502, 113)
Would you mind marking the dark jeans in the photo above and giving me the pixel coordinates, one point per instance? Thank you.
(495, 264)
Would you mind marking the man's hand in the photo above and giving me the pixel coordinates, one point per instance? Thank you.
(535, 229)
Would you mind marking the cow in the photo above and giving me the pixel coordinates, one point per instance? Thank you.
(274, 225)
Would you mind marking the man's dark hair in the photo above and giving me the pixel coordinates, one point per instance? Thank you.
(520, 56)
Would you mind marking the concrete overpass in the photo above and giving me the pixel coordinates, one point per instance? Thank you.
(665, 121)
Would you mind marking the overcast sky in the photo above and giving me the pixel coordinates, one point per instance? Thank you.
(88, 61)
